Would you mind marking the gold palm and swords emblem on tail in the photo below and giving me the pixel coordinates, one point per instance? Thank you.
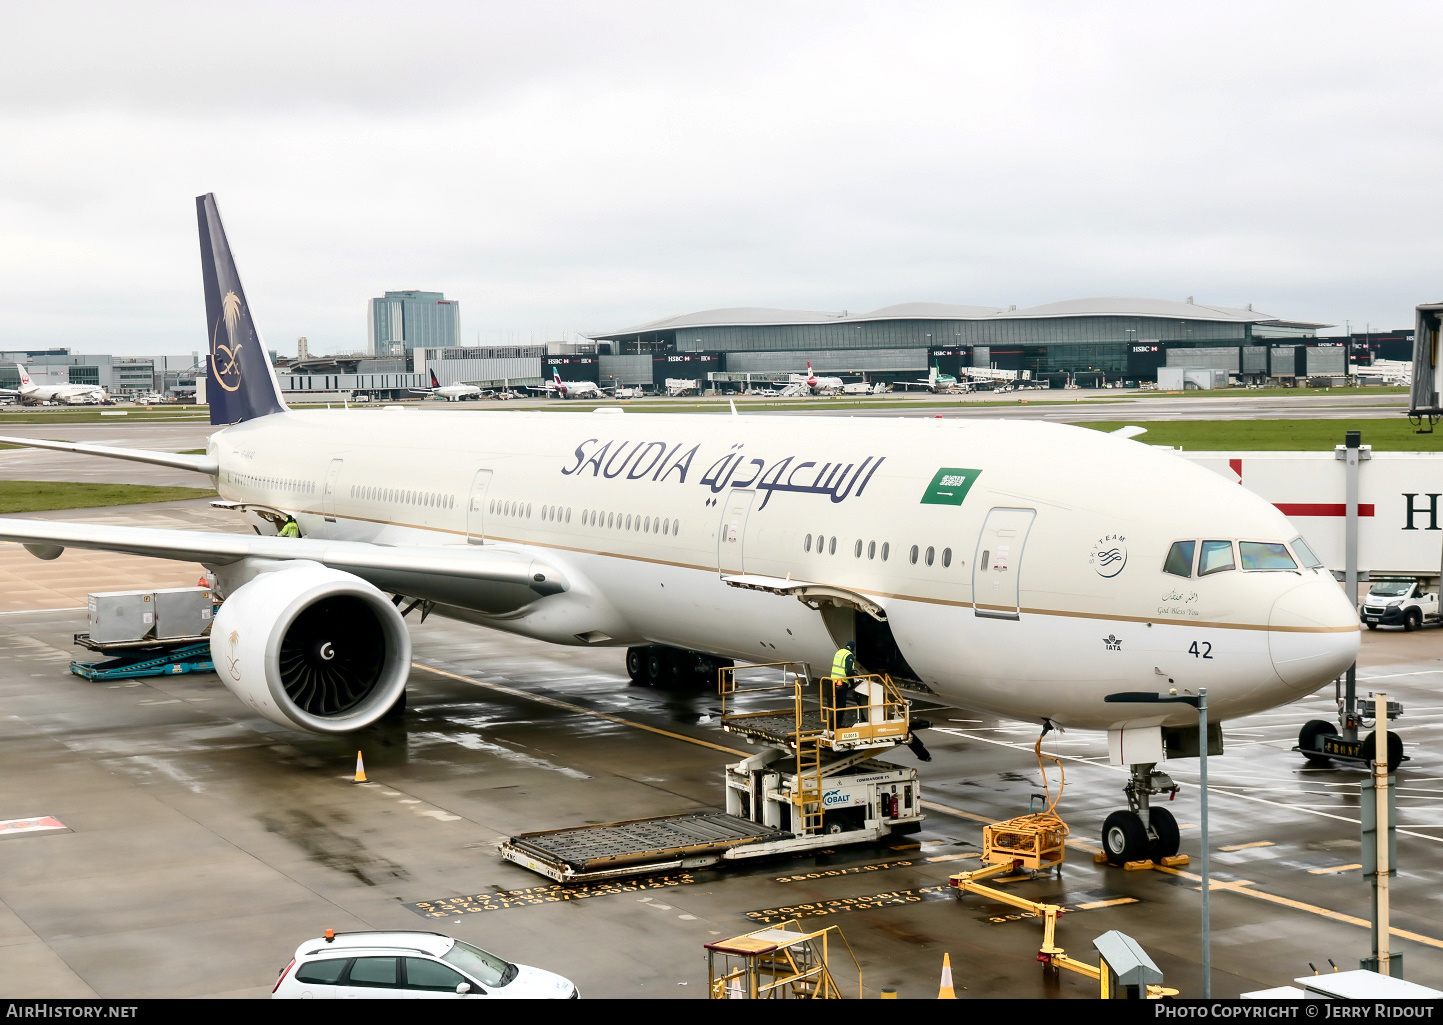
(227, 364)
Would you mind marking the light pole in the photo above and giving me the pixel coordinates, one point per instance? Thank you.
(1200, 702)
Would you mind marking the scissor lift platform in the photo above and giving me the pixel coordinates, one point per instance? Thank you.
(813, 784)
(635, 846)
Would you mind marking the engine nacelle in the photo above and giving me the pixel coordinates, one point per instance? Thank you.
(312, 648)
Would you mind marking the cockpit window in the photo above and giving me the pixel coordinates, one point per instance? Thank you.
(1265, 555)
(1179, 558)
(1217, 557)
(1305, 554)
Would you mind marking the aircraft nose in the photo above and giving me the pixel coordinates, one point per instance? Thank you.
(1312, 634)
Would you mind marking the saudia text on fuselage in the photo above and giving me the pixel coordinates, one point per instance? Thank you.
(664, 462)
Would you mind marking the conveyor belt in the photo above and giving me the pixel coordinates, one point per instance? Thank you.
(614, 844)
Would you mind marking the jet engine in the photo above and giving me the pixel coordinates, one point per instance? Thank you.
(312, 648)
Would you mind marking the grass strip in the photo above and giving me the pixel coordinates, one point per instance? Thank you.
(1393, 434)
(25, 496)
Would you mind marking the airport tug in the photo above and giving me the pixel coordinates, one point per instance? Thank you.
(814, 784)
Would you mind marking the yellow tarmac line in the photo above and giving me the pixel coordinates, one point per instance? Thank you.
(555, 703)
(1247, 846)
(1245, 887)
(1329, 871)
(947, 810)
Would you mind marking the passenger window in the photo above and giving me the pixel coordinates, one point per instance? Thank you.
(832, 547)
(857, 550)
(871, 549)
(1217, 557)
(1305, 554)
(807, 543)
(374, 971)
(1265, 555)
(985, 555)
(885, 549)
(946, 557)
(931, 553)
(646, 525)
(428, 975)
(1179, 558)
(666, 526)
(912, 555)
(322, 973)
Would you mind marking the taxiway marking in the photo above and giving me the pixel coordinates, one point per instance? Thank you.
(1245, 887)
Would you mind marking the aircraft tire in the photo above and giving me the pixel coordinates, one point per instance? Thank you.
(1165, 826)
(1308, 738)
(661, 666)
(1124, 838)
(1395, 749)
(636, 665)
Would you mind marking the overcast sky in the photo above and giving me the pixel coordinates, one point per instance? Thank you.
(589, 166)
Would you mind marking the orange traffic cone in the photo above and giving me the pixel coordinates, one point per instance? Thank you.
(201, 583)
(946, 992)
(360, 769)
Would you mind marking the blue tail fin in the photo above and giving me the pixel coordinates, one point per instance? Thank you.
(239, 384)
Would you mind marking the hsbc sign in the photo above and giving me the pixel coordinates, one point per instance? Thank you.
(1400, 503)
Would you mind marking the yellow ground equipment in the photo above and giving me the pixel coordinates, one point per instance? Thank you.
(1037, 841)
(781, 962)
(830, 733)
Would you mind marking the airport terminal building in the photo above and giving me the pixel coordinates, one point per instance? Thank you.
(1086, 341)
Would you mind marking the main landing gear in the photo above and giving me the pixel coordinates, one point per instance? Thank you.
(1142, 832)
(654, 665)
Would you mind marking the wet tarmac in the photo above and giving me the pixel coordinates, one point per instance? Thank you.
(201, 844)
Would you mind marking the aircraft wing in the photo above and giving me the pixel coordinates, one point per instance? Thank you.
(200, 464)
(433, 572)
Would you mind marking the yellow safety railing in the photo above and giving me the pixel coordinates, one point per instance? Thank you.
(871, 708)
(789, 674)
(779, 962)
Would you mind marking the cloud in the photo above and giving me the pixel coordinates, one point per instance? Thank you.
(587, 166)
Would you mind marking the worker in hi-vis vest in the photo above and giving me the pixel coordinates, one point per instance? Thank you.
(844, 665)
(290, 529)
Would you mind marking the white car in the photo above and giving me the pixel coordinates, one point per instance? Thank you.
(409, 965)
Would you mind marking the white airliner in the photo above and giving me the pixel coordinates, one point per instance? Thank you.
(1029, 569)
(457, 392)
(570, 389)
(31, 393)
(815, 383)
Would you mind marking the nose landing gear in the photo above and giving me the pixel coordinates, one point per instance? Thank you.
(1142, 832)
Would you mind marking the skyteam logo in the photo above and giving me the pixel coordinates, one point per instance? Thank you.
(1109, 555)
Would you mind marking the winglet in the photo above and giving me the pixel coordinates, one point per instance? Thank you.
(733, 404)
(240, 384)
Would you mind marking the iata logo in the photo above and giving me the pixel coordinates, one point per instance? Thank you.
(1109, 555)
(225, 359)
(1111, 643)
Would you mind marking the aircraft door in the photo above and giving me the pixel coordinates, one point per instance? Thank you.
(997, 567)
(328, 490)
(732, 531)
(476, 508)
